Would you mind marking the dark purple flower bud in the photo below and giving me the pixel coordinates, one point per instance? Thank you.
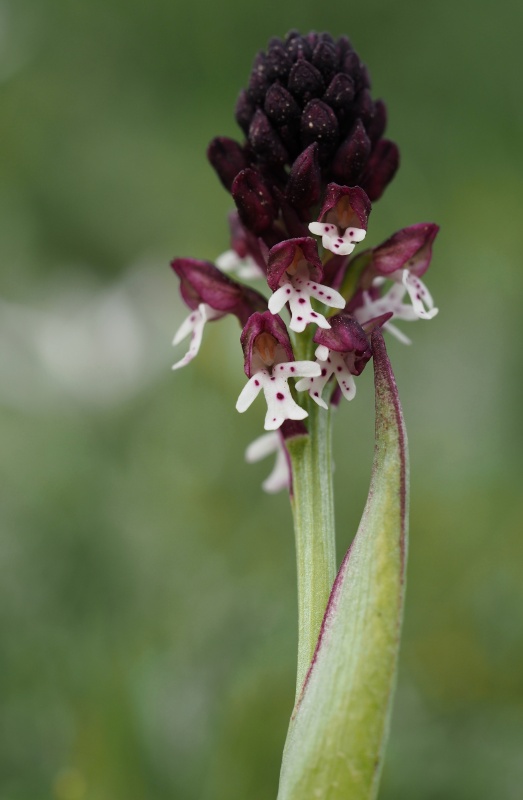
(325, 58)
(290, 256)
(376, 128)
(279, 61)
(258, 82)
(297, 46)
(254, 201)
(202, 282)
(305, 81)
(265, 342)
(264, 139)
(351, 64)
(364, 108)
(304, 185)
(244, 111)
(280, 105)
(228, 158)
(319, 124)
(409, 248)
(352, 155)
(340, 93)
(348, 337)
(380, 169)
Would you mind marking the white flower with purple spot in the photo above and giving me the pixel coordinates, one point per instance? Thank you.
(269, 363)
(297, 292)
(342, 243)
(343, 352)
(274, 383)
(403, 259)
(342, 221)
(294, 270)
(210, 295)
(193, 325)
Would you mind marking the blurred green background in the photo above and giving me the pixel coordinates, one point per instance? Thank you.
(147, 585)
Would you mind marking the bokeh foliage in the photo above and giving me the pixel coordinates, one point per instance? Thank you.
(147, 587)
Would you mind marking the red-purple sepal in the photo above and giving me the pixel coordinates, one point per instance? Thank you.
(346, 207)
(304, 185)
(254, 201)
(348, 337)
(381, 168)
(254, 352)
(291, 254)
(352, 155)
(228, 159)
(202, 282)
(410, 248)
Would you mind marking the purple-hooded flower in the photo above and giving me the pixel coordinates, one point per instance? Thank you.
(269, 363)
(248, 254)
(343, 351)
(343, 219)
(294, 270)
(403, 259)
(210, 295)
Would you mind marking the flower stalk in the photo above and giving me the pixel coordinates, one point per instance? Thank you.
(312, 504)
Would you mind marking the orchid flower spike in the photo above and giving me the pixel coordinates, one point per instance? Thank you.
(293, 271)
(210, 295)
(269, 363)
(343, 218)
(343, 351)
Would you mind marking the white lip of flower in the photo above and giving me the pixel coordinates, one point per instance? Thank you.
(262, 447)
(280, 404)
(194, 325)
(334, 240)
(245, 268)
(418, 293)
(297, 290)
(393, 301)
(332, 363)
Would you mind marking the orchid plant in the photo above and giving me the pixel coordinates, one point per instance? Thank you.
(313, 161)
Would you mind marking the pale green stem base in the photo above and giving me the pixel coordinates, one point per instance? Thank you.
(313, 511)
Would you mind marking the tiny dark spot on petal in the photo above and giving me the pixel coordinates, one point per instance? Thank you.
(280, 396)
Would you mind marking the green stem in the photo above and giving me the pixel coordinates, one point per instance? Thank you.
(313, 510)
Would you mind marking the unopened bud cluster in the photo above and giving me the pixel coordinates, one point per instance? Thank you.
(313, 159)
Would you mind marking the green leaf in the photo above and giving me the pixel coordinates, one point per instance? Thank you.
(339, 727)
